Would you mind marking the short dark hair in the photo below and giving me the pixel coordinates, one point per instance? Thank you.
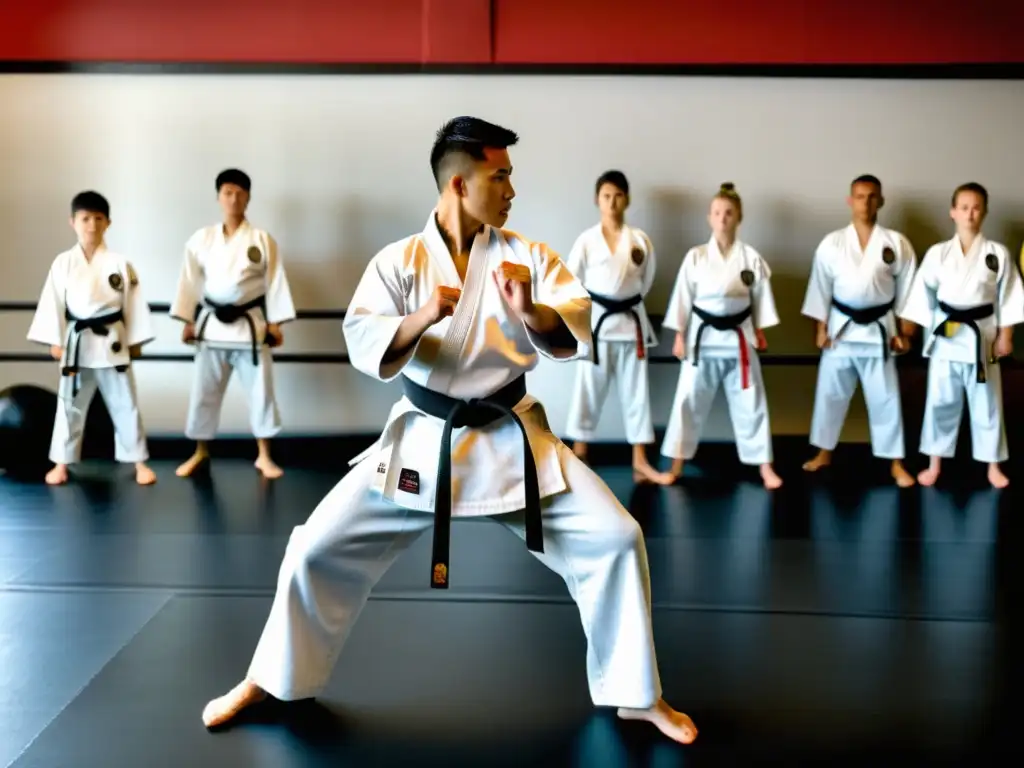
(970, 186)
(236, 177)
(867, 178)
(91, 202)
(615, 178)
(468, 136)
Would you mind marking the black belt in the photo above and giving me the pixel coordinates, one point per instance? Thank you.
(968, 316)
(101, 327)
(866, 316)
(231, 313)
(619, 307)
(474, 413)
(718, 322)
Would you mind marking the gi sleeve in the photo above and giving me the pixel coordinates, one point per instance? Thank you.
(680, 303)
(763, 311)
(1010, 301)
(49, 323)
(818, 297)
(557, 287)
(138, 320)
(650, 266)
(190, 286)
(905, 274)
(373, 318)
(922, 297)
(280, 307)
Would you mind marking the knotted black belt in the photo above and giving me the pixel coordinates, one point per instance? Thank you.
(725, 323)
(866, 316)
(619, 307)
(968, 316)
(231, 313)
(474, 413)
(101, 327)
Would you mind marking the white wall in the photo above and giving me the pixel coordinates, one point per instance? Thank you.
(340, 168)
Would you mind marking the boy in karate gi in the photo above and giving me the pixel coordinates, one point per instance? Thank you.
(616, 264)
(93, 317)
(860, 279)
(967, 296)
(233, 297)
(720, 306)
(459, 313)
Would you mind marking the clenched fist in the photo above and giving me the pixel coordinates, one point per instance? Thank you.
(516, 287)
(442, 303)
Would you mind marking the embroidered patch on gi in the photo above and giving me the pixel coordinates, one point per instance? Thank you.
(382, 468)
(992, 262)
(440, 574)
(888, 255)
(409, 481)
(637, 255)
(254, 254)
(747, 277)
(115, 347)
(116, 282)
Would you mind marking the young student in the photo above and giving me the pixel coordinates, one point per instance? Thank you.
(720, 306)
(967, 296)
(233, 297)
(616, 264)
(860, 279)
(93, 317)
(459, 313)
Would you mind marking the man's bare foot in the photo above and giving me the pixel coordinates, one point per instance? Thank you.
(645, 473)
(58, 475)
(823, 459)
(928, 476)
(770, 477)
(675, 725)
(143, 474)
(266, 465)
(996, 476)
(899, 473)
(194, 462)
(579, 449)
(227, 707)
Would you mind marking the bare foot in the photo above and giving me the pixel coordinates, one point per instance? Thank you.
(823, 459)
(996, 476)
(58, 475)
(579, 448)
(645, 473)
(928, 476)
(675, 725)
(193, 463)
(266, 465)
(144, 475)
(899, 473)
(227, 707)
(770, 477)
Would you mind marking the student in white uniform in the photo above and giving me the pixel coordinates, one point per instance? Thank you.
(967, 296)
(93, 317)
(720, 306)
(616, 264)
(463, 310)
(233, 297)
(860, 279)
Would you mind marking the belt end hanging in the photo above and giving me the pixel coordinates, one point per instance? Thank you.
(439, 576)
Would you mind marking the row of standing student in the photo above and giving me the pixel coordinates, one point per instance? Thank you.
(866, 294)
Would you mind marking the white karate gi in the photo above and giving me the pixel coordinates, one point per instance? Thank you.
(880, 274)
(986, 275)
(621, 348)
(77, 289)
(334, 559)
(717, 284)
(218, 271)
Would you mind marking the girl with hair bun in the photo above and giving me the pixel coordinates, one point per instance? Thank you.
(721, 303)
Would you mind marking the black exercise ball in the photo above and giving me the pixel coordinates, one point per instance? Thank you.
(26, 425)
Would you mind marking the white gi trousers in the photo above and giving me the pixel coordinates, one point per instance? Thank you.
(618, 360)
(213, 369)
(119, 395)
(353, 536)
(695, 394)
(837, 381)
(948, 381)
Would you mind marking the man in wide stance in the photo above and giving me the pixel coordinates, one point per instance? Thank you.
(462, 310)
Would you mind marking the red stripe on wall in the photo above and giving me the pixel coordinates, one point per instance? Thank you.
(758, 32)
(556, 32)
